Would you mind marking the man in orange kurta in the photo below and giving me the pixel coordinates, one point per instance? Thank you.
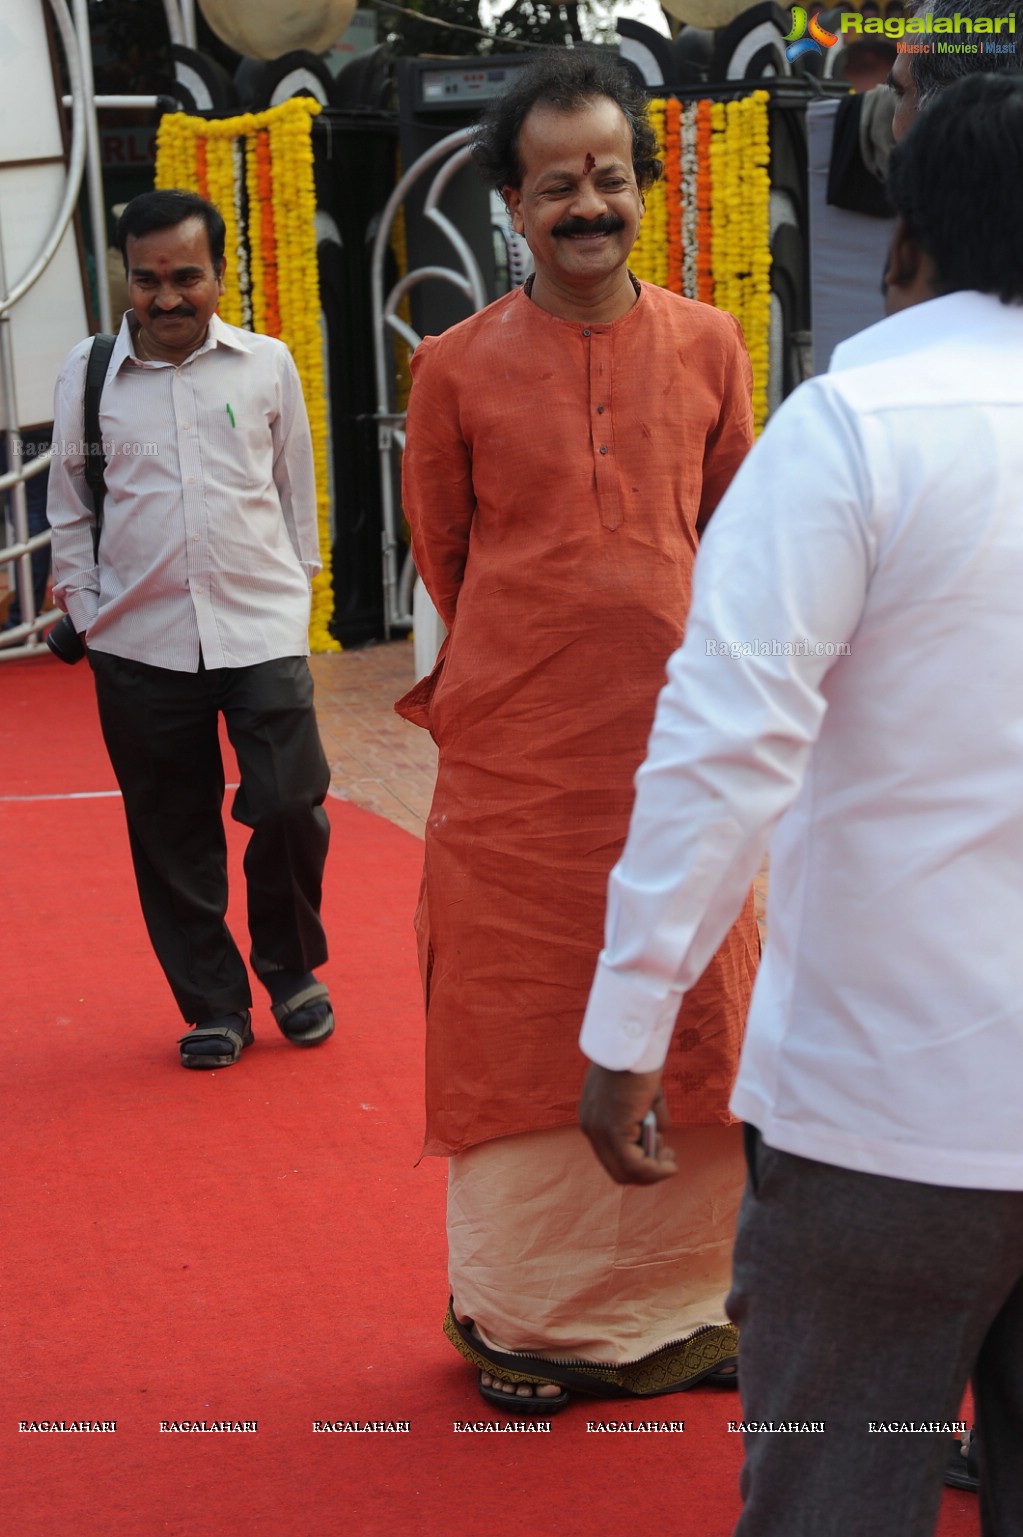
(564, 448)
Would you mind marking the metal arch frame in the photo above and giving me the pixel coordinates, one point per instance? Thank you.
(19, 554)
(454, 151)
(83, 161)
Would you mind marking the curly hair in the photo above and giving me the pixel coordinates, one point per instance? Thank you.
(565, 79)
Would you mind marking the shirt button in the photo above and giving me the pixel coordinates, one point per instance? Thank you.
(603, 448)
(184, 426)
(197, 588)
(587, 331)
(600, 410)
(191, 480)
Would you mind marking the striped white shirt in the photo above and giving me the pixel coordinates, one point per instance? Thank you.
(209, 539)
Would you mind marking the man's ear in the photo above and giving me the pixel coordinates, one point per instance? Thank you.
(220, 274)
(513, 202)
(910, 277)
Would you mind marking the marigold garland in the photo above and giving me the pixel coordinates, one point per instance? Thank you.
(649, 257)
(673, 190)
(258, 170)
(704, 255)
(706, 232)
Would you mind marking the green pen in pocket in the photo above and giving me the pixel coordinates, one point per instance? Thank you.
(231, 415)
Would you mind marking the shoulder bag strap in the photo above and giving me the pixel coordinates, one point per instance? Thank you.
(95, 459)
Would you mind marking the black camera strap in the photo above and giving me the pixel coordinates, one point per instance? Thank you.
(95, 459)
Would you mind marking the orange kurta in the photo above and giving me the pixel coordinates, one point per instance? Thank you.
(555, 476)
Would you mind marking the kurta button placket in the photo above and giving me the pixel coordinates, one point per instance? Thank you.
(599, 353)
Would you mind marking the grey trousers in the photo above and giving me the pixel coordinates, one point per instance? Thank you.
(862, 1300)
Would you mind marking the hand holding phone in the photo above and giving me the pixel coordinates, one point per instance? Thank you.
(648, 1134)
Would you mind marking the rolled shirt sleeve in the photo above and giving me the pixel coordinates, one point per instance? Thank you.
(294, 470)
(69, 507)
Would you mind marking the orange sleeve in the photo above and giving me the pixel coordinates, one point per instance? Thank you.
(437, 489)
(732, 438)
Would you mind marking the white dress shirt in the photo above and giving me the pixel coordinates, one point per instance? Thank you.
(882, 512)
(209, 540)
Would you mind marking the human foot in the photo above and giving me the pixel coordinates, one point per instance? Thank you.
(521, 1397)
(519, 1389)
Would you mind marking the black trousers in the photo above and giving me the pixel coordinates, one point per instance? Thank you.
(866, 1303)
(161, 731)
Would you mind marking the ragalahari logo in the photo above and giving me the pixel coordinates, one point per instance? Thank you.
(799, 44)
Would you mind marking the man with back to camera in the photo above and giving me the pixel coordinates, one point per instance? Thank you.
(564, 449)
(197, 606)
(915, 80)
(879, 1255)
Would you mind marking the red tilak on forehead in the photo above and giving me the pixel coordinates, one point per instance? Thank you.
(590, 163)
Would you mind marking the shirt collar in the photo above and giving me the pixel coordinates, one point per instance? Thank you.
(934, 323)
(218, 334)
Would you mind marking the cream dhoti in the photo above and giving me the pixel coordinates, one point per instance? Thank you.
(549, 1259)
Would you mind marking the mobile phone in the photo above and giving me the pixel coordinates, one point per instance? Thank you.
(648, 1134)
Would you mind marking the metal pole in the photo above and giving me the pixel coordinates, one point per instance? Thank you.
(94, 169)
(188, 22)
(174, 27)
(12, 440)
(117, 103)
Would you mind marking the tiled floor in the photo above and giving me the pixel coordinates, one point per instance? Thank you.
(378, 760)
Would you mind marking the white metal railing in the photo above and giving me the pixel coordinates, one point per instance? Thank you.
(453, 151)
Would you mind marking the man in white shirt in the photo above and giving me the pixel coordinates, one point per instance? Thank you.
(851, 676)
(197, 605)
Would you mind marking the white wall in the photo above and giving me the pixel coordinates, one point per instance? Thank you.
(51, 317)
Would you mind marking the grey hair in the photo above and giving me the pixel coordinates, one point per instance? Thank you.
(933, 72)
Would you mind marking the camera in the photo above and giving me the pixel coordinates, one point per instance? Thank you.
(64, 641)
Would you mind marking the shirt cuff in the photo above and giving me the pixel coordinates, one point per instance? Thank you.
(629, 1024)
(79, 598)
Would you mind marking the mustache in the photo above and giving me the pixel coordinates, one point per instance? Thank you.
(182, 313)
(606, 224)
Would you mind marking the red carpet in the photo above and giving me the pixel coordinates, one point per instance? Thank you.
(252, 1244)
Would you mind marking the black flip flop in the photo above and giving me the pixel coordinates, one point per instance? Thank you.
(721, 1378)
(512, 1403)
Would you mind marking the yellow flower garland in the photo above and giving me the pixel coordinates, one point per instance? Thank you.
(649, 258)
(203, 156)
(738, 161)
